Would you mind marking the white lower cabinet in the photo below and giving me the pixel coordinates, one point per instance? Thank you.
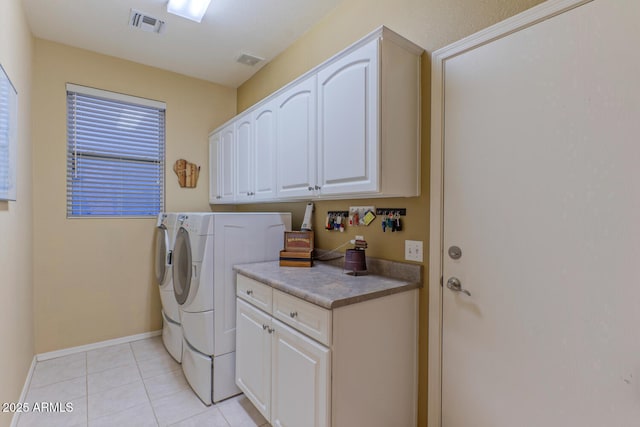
(299, 379)
(359, 369)
(284, 373)
(253, 356)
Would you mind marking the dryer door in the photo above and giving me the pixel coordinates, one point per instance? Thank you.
(162, 259)
(182, 266)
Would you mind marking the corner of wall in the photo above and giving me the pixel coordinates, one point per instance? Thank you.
(16, 217)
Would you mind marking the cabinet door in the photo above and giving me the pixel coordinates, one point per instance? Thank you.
(348, 120)
(226, 164)
(300, 380)
(264, 124)
(213, 167)
(244, 158)
(296, 140)
(253, 356)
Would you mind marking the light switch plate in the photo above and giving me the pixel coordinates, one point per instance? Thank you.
(413, 250)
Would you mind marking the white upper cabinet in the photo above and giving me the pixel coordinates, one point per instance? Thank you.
(244, 158)
(214, 140)
(264, 123)
(348, 155)
(349, 128)
(221, 165)
(226, 164)
(296, 140)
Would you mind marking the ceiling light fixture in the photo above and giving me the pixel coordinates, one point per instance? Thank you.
(189, 9)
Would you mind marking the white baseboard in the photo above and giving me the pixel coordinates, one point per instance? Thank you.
(79, 349)
(25, 388)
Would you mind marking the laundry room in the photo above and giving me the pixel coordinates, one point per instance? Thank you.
(82, 293)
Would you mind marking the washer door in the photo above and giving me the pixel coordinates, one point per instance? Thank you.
(182, 266)
(162, 258)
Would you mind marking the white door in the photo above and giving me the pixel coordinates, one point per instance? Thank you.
(253, 356)
(542, 196)
(244, 157)
(296, 140)
(264, 123)
(300, 380)
(348, 123)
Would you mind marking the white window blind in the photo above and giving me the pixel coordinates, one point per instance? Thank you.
(115, 154)
(8, 134)
(5, 115)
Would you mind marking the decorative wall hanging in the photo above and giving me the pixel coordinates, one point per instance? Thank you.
(187, 173)
(8, 137)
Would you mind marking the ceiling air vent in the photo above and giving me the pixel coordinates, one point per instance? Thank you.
(250, 60)
(145, 22)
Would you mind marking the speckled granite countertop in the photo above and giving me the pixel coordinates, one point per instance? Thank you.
(327, 285)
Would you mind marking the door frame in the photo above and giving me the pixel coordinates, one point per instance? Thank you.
(439, 58)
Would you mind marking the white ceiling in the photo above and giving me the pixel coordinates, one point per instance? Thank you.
(207, 50)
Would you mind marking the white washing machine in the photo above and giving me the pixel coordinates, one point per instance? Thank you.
(207, 247)
(164, 240)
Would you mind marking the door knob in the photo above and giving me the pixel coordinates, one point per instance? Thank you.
(454, 284)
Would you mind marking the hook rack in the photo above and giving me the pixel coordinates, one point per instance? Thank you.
(391, 218)
(335, 220)
(393, 211)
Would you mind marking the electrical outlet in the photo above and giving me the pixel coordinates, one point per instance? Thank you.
(413, 250)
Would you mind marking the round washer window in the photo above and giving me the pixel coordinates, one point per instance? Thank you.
(160, 261)
(182, 266)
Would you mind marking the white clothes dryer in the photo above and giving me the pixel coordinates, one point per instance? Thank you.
(164, 240)
(206, 249)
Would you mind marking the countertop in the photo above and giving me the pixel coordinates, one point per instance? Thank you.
(328, 286)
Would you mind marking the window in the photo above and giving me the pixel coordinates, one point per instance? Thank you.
(115, 154)
(8, 135)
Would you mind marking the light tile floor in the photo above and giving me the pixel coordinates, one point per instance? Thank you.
(135, 384)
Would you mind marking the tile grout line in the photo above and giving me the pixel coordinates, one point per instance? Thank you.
(147, 390)
(86, 384)
(121, 385)
(153, 411)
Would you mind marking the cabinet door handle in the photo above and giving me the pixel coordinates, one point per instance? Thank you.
(249, 292)
(293, 314)
(271, 330)
(318, 187)
(310, 188)
(265, 327)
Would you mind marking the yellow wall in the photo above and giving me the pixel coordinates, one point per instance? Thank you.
(16, 249)
(429, 23)
(93, 277)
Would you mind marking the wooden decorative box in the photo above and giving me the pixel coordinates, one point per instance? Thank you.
(298, 249)
(298, 241)
(296, 258)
